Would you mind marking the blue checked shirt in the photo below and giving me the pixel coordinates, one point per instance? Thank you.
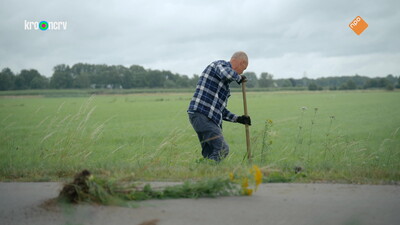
(212, 92)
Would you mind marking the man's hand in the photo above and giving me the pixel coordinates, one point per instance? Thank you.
(244, 79)
(244, 120)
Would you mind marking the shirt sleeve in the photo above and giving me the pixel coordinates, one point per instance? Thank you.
(228, 73)
(228, 116)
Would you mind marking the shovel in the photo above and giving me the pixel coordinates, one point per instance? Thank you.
(246, 125)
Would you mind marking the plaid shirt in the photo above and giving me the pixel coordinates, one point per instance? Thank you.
(212, 92)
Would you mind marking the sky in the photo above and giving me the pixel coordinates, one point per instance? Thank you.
(287, 38)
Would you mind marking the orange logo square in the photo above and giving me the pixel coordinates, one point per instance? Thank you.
(358, 25)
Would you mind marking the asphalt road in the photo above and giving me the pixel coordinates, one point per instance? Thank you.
(275, 204)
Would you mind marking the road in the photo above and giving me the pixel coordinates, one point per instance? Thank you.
(275, 204)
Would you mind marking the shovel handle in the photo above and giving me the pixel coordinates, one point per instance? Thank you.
(246, 126)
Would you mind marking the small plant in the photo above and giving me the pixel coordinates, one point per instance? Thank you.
(328, 133)
(311, 133)
(265, 142)
(300, 138)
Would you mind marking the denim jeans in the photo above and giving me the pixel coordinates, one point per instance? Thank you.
(210, 136)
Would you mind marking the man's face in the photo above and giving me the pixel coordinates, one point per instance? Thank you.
(242, 66)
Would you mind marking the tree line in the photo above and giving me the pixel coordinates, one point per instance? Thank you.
(83, 76)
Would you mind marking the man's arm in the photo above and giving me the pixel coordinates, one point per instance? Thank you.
(228, 116)
(228, 73)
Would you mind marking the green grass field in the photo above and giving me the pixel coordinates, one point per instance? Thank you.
(334, 136)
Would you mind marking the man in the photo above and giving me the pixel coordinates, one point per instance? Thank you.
(207, 108)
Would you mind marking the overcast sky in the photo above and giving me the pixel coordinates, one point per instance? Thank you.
(286, 38)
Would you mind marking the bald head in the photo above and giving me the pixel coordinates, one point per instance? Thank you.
(240, 55)
(239, 61)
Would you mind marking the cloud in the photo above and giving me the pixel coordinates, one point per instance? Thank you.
(284, 38)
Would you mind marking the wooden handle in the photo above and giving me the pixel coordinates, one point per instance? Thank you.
(246, 126)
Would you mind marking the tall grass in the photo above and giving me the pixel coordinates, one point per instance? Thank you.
(56, 145)
(333, 155)
(139, 137)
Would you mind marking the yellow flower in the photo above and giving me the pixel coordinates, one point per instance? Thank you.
(248, 191)
(257, 175)
(231, 176)
(245, 183)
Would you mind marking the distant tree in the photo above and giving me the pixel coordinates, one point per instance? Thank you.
(383, 82)
(83, 75)
(19, 83)
(371, 83)
(61, 80)
(137, 69)
(172, 80)
(81, 80)
(141, 80)
(40, 82)
(358, 80)
(62, 77)
(183, 81)
(170, 84)
(114, 76)
(343, 87)
(156, 78)
(305, 81)
(137, 77)
(252, 80)
(379, 83)
(392, 79)
(313, 87)
(287, 83)
(293, 82)
(398, 82)
(266, 80)
(390, 87)
(127, 80)
(27, 76)
(7, 79)
(351, 85)
(334, 88)
(194, 80)
(99, 75)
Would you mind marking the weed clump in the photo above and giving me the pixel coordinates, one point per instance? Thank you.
(75, 191)
(86, 188)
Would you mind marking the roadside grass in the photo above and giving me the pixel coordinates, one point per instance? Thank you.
(349, 137)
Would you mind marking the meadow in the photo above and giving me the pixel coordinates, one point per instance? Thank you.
(334, 136)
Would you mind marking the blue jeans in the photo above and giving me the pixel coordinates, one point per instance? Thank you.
(210, 136)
